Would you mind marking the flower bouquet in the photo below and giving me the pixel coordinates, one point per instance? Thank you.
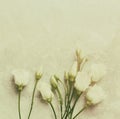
(80, 80)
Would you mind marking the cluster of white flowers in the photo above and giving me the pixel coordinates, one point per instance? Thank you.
(91, 73)
(81, 78)
(21, 76)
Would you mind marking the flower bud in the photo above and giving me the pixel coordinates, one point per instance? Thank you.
(39, 74)
(80, 55)
(66, 76)
(73, 71)
(45, 91)
(82, 82)
(21, 78)
(54, 82)
(95, 95)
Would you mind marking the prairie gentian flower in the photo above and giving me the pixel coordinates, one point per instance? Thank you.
(45, 91)
(21, 78)
(82, 82)
(95, 95)
(96, 71)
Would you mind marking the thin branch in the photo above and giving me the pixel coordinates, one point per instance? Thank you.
(80, 112)
(32, 101)
(53, 110)
(19, 108)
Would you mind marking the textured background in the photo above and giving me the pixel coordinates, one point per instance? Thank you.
(47, 32)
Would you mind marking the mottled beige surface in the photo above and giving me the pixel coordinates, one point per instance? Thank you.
(47, 32)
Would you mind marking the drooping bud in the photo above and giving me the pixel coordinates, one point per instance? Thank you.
(45, 91)
(54, 82)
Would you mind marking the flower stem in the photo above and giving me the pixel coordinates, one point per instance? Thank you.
(70, 96)
(65, 89)
(19, 108)
(75, 102)
(80, 112)
(53, 110)
(61, 101)
(32, 102)
(69, 103)
(66, 93)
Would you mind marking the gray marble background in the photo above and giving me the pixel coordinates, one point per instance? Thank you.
(47, 32)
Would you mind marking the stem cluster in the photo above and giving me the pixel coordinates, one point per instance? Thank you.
(68, 103)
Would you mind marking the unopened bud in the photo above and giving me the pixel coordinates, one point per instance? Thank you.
(39, 74)
(54, 82)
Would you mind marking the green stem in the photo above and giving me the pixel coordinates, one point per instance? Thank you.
(61, 100)
(82, 64)
(67, 99)
(65, 89)
(19, 108)
(69, 102)
(80, 112)
(71, 111)
(63, 85)
(32, 102)
(67, 93)
(61, 110)
(70, 96)
(53, 110)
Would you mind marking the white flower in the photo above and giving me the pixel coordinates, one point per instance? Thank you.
(82, 81)
(45, 91)
(96, 71)
(95, 95)
(53, 82)
(73, 71)
(39, 73)
(21, 77)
